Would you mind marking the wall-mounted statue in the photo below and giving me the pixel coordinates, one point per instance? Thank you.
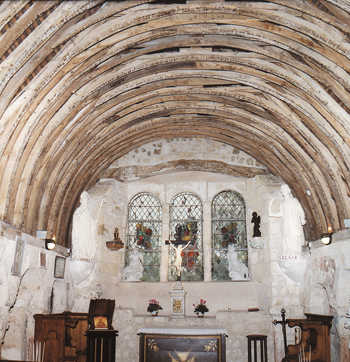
(84, 231)
(256, 221)
(134, 271)
(237, 269)
(293, 219)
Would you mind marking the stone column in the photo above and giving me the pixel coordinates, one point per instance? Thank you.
(207, 241)
(164, 260)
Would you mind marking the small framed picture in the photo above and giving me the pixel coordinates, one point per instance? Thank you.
(100, 322)
(42, 260)
(60, 265)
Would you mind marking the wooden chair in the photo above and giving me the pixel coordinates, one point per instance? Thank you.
(253, 340)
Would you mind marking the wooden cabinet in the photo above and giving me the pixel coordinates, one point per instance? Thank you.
(190, 344)
(101, 337)
(101, 345)
(62, 336)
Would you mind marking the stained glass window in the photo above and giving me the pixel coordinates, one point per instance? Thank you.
(144, 233)
(186, 226)
(228, 228)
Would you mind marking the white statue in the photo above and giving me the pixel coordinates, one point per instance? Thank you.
(347, 320)
(134, 271)
(237, 269)
(178, 260)
(84, 231)
(293, 219)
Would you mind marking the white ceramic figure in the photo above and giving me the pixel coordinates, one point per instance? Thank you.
(84, 231)
(134, 271)
(237, 269)
(293, 219)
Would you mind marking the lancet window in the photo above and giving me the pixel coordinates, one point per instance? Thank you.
(186, 228)
(228, 215)
(144, 228)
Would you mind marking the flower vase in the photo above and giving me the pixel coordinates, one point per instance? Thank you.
(200, 314)
(154, 313)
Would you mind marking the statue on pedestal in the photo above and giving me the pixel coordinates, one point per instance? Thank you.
(256, 221)
(84, 231)
(293, 219)
(237, 269)
(134, 271)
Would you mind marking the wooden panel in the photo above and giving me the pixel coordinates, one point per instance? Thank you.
(101, 345)
(315, 338)
(63, 335)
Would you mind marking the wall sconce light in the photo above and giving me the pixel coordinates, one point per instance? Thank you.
(326, 239)
(50, 244)
(347, 223)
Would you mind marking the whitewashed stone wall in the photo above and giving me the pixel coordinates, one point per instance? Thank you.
(326, 288)
(33, 290)
(171, 149)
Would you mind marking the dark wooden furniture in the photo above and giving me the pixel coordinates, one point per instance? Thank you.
(163, 344)
(253, 340)
(63, 335)
(315, 337)
(101, 337)
(101, 345)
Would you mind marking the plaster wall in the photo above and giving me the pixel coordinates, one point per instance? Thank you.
(326, 289)
(32, 290)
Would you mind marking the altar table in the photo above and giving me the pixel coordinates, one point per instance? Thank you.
(182, 344)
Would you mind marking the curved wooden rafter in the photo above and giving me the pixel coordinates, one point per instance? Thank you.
(110, 76)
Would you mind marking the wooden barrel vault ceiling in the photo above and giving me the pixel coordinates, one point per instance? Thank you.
(84, 82)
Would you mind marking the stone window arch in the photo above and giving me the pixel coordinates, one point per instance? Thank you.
(228, 221)
(186, 225)
(144, 227)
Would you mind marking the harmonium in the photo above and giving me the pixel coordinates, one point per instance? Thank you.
(101, 336)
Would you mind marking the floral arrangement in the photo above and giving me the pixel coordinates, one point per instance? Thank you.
(200, 307)
(153, 306)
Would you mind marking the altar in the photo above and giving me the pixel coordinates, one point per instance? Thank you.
(182, 344)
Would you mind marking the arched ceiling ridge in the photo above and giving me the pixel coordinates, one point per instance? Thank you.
(106, 11)
(20, 56)
(110, 141)
(313, 90)
(311, 9)
(148, 139)
(24, 24)
(108, 87)
(8, 9)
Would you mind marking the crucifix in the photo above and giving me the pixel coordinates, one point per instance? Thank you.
(283, 322)
(179, 247)
(178, 261)
(178, 294)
